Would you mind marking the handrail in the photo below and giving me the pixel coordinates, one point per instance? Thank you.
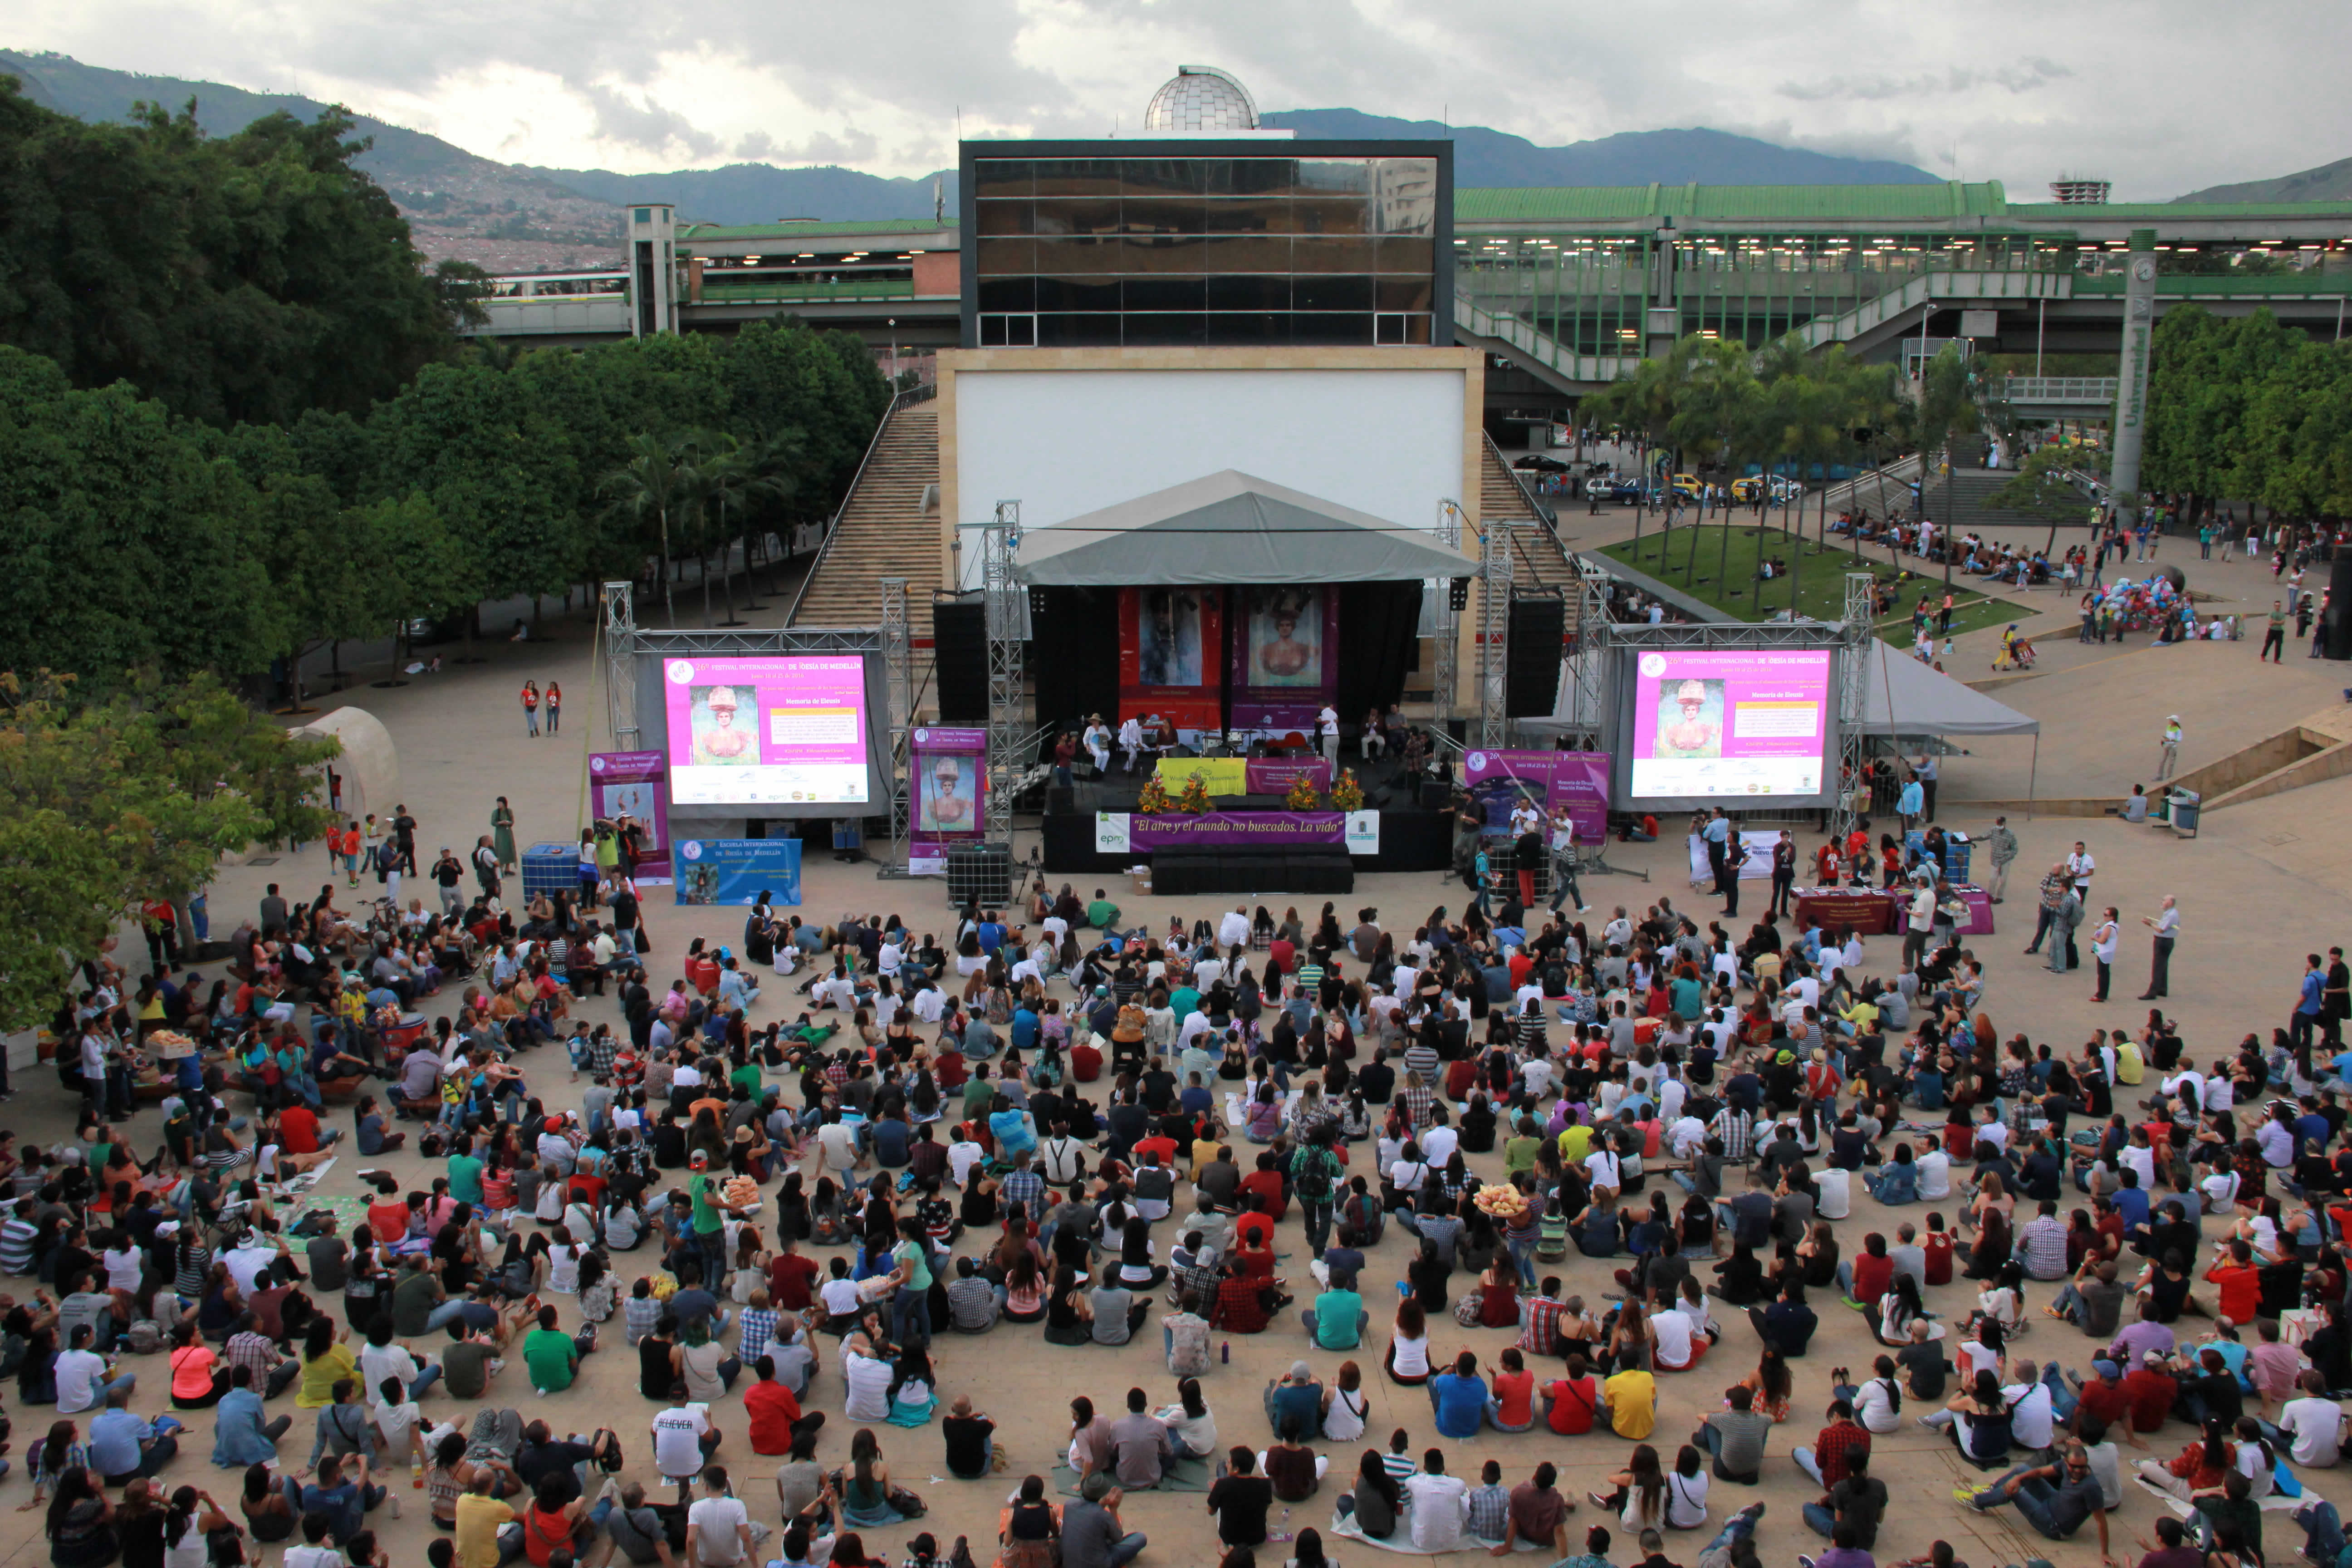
(906, 399)
(1543, 513)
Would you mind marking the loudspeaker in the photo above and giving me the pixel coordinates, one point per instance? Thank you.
(960, 655)
(1061, 797)
(1538, 627)
(1435, 795)
(2339, 608)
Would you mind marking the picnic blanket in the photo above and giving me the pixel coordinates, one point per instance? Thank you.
(1180, 1476)
(1402, 1542)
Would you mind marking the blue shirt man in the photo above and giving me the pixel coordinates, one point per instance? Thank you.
(115, 1435)
(239, 1438)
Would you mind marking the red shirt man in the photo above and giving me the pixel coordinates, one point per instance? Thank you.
(2239, 1286)
(1838, 1443)
(297, 1130)
(2151, 1394)
(790, 1276)
(1572, 1404)
(772, 1410)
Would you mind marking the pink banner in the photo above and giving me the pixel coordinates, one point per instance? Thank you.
(1577, 779)
(1275, 775)
(635, 783)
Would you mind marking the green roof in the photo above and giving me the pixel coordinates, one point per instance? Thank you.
(1603, 203)
(809, 227)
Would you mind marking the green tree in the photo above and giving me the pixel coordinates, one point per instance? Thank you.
(2044, 488)
(247, 277)
(1947, 411)
(647, 490)
(105, 803)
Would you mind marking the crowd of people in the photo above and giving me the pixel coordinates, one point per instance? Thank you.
(1612, 1150)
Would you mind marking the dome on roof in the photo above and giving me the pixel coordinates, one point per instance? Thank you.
(1201, 98)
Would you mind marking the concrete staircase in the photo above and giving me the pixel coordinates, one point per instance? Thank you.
(889, 527)
(1538, 559)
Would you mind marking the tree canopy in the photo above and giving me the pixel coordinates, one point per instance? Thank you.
(128, 798)
(251, 277)
(2243, 407)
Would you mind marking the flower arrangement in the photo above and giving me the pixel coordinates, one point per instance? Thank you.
(1347, 794)
(1302, 795)
(1195, 799)
(1154, 799)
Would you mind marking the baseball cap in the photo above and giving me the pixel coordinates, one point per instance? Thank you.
(2151, 1357)
(2107, 1368)
(698, 1158)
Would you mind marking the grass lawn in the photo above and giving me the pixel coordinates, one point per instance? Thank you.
(1725, 577)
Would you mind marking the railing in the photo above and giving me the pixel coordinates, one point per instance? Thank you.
(1902, 473)
(1543, 513)
(907, 399)
(1541, 347)
(2325, 285)
(762, 292)
(1948, 283)
(2083, 389)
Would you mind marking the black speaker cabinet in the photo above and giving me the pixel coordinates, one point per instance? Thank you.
(1537, 630)
(959, 638)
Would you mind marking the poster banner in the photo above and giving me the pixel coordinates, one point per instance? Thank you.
(634, 784)
(1275, 775)
(1577, 780)
(1243, 776)
(948, 770)
(1284, 662)
(1170, 662)
(1122, 833)
(738, 871)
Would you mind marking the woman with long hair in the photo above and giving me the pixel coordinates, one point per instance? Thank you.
(1378, 1498)
(79, 1524)
(1639, 1496)
(1407, 1360)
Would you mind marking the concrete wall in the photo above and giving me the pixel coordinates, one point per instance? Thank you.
(1389, 431)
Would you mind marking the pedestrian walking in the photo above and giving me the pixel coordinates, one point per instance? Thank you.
(2001, 843)
(2275, 639)
(2054, 888)
(1927, 770)
(554, 707)
(2168, 759)
(1563, 860)
(530, 708)
(2164, 925)
(486, 867)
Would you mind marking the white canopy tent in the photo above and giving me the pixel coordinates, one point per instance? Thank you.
(1232, 528)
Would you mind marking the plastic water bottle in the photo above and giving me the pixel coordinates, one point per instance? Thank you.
(1225, 1352)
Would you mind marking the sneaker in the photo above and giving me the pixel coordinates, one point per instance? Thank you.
(1803, 1562)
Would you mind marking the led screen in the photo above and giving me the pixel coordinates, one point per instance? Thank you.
(766, 731)
(1713, 724)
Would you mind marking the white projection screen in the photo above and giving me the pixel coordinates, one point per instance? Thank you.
(1067, 442)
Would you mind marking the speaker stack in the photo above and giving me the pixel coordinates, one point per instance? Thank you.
(1533, 639)
(959, 646)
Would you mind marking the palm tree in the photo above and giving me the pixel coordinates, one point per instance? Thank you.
(1946, 409)
(779, 461)
(646, 488)
(731, 477)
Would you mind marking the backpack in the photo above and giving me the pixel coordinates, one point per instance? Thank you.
(1310, 1177)
(144, 1337)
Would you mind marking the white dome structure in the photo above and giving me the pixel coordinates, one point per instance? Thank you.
(1201, 98)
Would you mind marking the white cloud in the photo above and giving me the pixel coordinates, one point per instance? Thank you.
(2162, 110)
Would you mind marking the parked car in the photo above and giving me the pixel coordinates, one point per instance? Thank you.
(1780, 486)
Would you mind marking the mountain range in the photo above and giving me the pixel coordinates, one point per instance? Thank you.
(2328, 183)
(517, 218)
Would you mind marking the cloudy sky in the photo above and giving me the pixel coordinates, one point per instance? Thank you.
(2145, 93)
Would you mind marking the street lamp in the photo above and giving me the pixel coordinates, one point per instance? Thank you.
(894, 353)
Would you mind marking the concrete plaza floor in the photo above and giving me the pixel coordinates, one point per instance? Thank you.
(2261, 886)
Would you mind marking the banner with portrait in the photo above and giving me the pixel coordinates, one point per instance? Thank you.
(634, 784)
(949, 784)
(1170, 663)
(1284, 662)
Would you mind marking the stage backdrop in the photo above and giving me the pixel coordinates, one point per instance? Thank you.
(1577, 780)
(1171, 658)
(948, 768)
(636, 782)
(1285, 661)
(735, 871)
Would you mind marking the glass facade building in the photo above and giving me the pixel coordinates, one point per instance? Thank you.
(1267, 242)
